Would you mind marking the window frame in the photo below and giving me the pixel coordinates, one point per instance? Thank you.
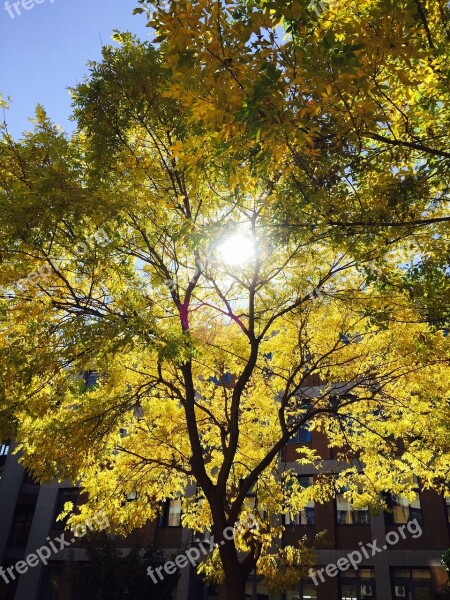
(352, 512)
(48, 591)
(303, 435)
(447, 507)
(358, 581)
(19, 532)
(414, 513)
(72, 496)
(301, 590)
(5, 448)
(410, 582)
(166, 513)
(301, 518)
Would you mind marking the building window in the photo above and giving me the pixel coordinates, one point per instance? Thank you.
(172, 513)
(302, 435)
(4, 448)
(225, 379)
(21, 525)
(8, 590)
(306, 591)
(347, 515)
(306, 516)
(29, 479)
(447, 506)
(132, 497)
(90, 379)
(358, 585)
(412, 584)
(403, 511)
(51, 582)
(210, 592)
(256, 589)
(64, 495)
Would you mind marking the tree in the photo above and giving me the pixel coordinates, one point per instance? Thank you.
(445, 588)
(204, 356)
(350, 105)
(355, 94)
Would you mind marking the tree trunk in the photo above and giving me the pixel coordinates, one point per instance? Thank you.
(234, 578)
(234, 587)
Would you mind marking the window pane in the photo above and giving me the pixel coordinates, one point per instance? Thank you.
(365, 573)
(347, 515)
(421, 574)
(174, 515)
(400, 510)
(132, 497)
(351, 573)
(292, 520)
(366, 592)
(211, 592)
(424, 593)
(307, 514)
(305, 481)
(304, 436)
(349, 592)
(344, 511)
(21, 525)
(361, 516)
(51, 582)
(64, 495)
(4, 449)
(309, 593)
(402, 592)
(401, 573)
(262, 592)
(404, 511)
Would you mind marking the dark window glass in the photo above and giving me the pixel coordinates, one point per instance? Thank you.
(51, 582)
(412, 584)
(64, 495)
(21, 525)
(8, 590)
(4, 451)
(306, 591)
(172, 513)
(347, 515)
(4, 448)
(302, 435)
(211, 592)
(306, 516)
(28, 479)
(90, 378)
(358, 585)
(403, 511)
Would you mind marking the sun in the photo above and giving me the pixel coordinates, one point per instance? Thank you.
(237, 250)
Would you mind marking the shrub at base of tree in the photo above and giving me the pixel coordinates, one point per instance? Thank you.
(112, 574)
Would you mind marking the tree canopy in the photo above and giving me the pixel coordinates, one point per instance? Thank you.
(314, 150)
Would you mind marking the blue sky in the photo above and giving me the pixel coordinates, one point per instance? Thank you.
(46, 48)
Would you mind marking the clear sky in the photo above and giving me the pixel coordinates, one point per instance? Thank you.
(44, 50)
